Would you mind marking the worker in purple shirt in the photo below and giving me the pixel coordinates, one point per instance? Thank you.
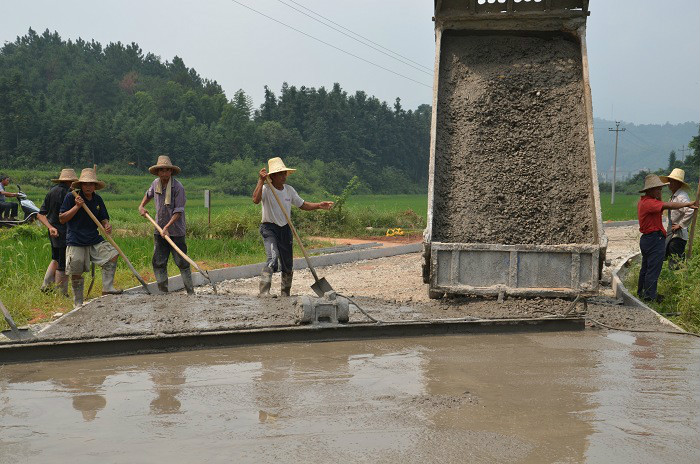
(169, 197)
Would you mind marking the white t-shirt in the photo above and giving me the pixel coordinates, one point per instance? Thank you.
(271, 211)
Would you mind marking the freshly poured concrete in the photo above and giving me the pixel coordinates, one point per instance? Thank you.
(570, 397)
(512, 161)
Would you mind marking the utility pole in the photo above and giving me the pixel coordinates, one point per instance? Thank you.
(617, 131)
(683, 150)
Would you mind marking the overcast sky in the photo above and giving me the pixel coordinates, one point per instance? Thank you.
(644, 65)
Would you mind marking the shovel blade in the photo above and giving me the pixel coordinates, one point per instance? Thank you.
(18, 334)
(321, 287)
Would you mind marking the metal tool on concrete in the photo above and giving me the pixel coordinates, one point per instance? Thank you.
(114, 244)
(329, 308)
(14, 332)
(180, 252)
(529, 270)
(320, 286)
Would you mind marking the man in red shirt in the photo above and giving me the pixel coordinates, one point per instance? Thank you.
(653, 240)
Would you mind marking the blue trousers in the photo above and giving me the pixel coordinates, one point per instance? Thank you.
(278, 247)
(653, 247)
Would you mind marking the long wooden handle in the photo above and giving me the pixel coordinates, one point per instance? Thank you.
(114, 244)
(291, 226)
(177, 248)
(692, 226)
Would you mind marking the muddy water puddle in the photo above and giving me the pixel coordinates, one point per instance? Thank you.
(571, 397)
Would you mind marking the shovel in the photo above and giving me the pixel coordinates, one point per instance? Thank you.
(16, 332)
(180, 252)
(320, 286)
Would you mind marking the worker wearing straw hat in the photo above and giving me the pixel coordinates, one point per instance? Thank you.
(653, 241)
(48, 215)
(85, 244)
(169, 197)
(275, 231)
(679, 219)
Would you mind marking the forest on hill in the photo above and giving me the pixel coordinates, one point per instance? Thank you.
(78, 103)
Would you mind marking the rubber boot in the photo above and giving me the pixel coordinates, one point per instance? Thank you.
(265, 284)
(49, 279)
(287, 283)
(62, 282)
(78, 286)
(108, 271)
(161, 279)
(186, 275)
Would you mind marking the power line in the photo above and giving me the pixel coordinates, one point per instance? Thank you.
(331, 45)
(426, 68)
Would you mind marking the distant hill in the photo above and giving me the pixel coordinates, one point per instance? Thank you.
(643, 146)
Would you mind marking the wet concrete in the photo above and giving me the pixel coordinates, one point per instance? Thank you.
(576, 397)
(512, 162)
(176, 313)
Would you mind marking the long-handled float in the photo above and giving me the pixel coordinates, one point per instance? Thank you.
(180, 252)
(114, 244)
(320, 286)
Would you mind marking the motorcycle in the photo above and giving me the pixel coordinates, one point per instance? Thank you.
(28, 207)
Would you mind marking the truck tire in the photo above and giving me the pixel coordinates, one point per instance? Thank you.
(435, 295)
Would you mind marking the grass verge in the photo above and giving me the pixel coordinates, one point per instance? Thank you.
(624, 209)
(681, 291)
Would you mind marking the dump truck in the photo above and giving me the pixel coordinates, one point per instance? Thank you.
(513, 198)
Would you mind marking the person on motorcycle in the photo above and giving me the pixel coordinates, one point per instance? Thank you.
(8, 210)
(48, 215)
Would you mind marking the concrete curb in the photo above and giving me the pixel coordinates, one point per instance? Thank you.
(620, 223)
(618, 276)
(118, 346)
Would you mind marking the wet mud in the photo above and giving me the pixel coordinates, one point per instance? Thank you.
(575, 397)
(512, 158)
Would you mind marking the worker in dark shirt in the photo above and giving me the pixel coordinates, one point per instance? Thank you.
(48, 215)
(653, 241)
(83, 239)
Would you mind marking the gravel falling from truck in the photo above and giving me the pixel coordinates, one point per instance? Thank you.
(512, 159)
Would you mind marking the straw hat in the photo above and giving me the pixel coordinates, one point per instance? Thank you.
(163, 162)
(677, 174)
(652, 181)
(88, 176)
(67, 175)
(277, 165)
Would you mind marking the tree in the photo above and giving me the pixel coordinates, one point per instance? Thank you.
(75, 103)
(672, 162)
